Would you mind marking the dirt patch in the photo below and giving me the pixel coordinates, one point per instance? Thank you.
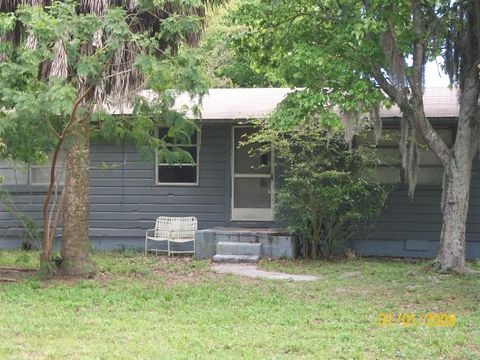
(9, 275)
(182, 269)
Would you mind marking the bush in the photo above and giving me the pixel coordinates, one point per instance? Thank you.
(323, 193)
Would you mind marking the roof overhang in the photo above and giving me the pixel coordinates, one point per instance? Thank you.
(243, 104)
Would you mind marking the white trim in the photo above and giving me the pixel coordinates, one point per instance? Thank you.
(250, 214)
(197, 164)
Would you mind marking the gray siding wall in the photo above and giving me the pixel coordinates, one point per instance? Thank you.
(125, 202)
(411, 227)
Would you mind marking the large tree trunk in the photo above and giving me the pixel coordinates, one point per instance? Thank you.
(451, 255)
(456, 187)
(75, 242)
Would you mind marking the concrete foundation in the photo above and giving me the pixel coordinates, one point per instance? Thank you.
(276, 243)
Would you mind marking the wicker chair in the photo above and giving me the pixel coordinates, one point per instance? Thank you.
(172, 230)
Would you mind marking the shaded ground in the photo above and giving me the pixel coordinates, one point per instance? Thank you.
(13, 274)
(163, 308)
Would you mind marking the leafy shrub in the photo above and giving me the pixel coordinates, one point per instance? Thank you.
(323, 195)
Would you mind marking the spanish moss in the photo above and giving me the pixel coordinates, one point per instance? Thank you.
(350, 120)
(377, 122)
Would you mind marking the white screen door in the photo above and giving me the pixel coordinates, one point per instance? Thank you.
(252, 180)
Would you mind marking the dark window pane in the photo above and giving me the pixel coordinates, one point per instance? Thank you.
(192, 150)
(252, 193)
(384, 174)
(162, 132)
(430, 176)
(41, 175)
(247, 159)
(12, 176)
(177, 174)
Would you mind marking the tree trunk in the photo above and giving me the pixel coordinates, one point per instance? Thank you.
(456, 187)
(75, 241)
(451, 255)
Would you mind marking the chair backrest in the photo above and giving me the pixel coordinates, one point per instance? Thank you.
(180, 227)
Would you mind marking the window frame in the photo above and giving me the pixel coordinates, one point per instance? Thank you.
(48, 167)
(403, 179)
(60, 167)
(197, 164)
(14, 170)
(29, 184)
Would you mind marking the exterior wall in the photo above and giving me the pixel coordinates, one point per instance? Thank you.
(411, 227)
(125, 202)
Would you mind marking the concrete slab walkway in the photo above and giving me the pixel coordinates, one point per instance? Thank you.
(252, 271)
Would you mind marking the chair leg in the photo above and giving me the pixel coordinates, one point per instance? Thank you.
(168, 245)
(146, 245)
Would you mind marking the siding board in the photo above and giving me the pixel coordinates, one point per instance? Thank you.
(125, 201)
(124, 198)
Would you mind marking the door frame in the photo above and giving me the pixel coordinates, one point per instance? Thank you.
(250, 214)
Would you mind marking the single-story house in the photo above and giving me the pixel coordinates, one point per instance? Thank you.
(232, 200)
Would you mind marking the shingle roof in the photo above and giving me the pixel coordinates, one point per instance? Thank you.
(243, 103)
(237, 104)
(438, 103)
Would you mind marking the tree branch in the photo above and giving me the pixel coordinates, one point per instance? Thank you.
(416, 81)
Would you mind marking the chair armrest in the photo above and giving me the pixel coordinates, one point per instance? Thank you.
(148, 231)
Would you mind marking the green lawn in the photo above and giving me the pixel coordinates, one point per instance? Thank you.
(159, 308)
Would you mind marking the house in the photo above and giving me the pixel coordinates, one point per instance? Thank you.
(234, 201)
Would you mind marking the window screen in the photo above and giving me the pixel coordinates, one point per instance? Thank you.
(180, 171)
(389, 171)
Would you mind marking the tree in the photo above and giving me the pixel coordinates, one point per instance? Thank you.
(224, 67)
(66, 66)
(325, 194)
(358, 54)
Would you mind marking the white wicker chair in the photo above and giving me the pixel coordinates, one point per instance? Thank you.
(172, 230)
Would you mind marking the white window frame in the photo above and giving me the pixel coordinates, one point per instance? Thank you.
(157, 164)
(251, 214)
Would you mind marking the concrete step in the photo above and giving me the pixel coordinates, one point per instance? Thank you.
(236, 258)
(237, 237)
(239, 248)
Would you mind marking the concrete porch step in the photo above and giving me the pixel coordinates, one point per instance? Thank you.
(236, 258)
(239, 248)
(238, 237)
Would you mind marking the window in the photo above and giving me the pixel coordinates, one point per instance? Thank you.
(390, 171)
(175, 168)
(19, 173)
(40, 173)
(13, 172)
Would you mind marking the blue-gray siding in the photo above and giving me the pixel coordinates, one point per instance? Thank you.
(411, 227)
(125, 201)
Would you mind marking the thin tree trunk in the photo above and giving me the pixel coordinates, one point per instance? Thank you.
(75, 241)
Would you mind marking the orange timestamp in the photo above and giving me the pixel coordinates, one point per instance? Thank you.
(419, 320)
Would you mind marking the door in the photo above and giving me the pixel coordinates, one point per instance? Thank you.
(252, 180)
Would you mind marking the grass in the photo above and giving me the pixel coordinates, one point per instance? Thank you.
(160, 308)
